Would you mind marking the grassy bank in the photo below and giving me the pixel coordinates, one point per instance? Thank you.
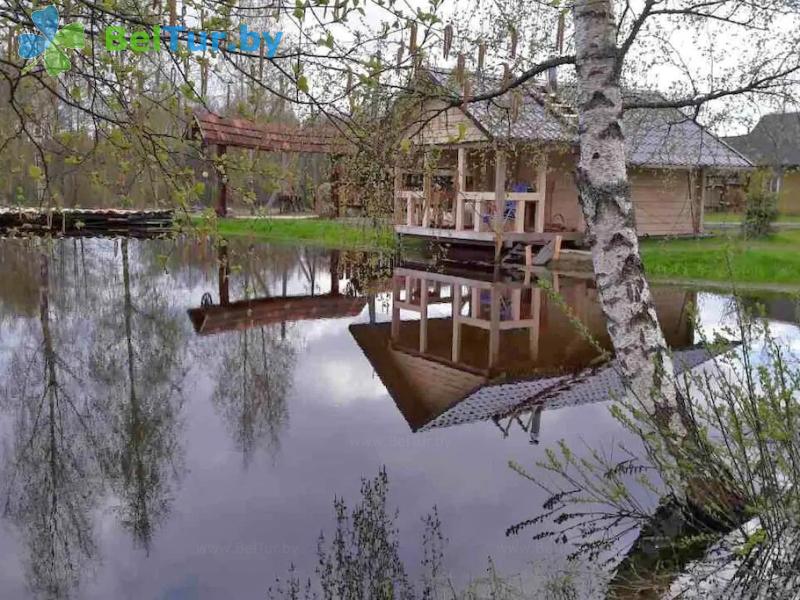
(775, 259)
(317, 232)
(733, 217)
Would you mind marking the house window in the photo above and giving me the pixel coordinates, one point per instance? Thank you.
(775, 183)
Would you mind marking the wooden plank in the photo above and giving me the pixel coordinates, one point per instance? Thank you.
(519, 217)
(395, 332)
(456, 350)
(541, 186)
(222, 198)
(427, 194)
(494, 329)
(499, 191)
(423, 315)
(460, 184)
(531, 237)
(456, 280)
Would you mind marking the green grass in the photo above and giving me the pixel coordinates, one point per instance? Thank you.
(317, 232)
(726, 257)
(774, 260)
(732, 217)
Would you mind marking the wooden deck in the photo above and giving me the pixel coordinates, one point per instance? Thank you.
(486, 237)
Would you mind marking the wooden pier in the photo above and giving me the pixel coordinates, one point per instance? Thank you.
(85, 221)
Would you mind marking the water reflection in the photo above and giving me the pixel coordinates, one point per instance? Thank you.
(53, 467)
(138, 365)
(488, 346)
(126, 424)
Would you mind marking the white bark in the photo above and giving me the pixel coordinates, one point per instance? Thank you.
(605, 198)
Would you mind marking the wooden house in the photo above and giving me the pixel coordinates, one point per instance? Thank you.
(489, 340)
(774, 144)
(504, 167)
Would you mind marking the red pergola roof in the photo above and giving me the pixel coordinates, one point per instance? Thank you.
(272, 137)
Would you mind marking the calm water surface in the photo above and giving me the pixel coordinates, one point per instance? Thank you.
(174, 429)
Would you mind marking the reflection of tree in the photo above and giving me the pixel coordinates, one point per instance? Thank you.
(255, 375)
(137, 366)
(53, 477)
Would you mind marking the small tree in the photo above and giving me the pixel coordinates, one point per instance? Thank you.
(761, 208)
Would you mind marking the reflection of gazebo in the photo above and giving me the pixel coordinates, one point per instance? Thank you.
(483, 347)
(212, 318)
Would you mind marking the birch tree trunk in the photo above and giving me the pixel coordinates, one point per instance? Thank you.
(605, 198)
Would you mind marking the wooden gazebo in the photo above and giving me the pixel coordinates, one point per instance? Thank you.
(227, 132)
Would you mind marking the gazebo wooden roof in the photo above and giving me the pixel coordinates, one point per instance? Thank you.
(215, 130)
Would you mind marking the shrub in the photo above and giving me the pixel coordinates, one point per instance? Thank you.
(760, 210)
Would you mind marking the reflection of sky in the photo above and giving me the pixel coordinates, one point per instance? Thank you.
(717, 314)
(233, 529)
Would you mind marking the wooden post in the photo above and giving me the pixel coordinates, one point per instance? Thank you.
(336, 187)
(516, 304)
(223, 275)
(477, 217)
(541, 189)
(499, 190)
(222, 197)
(423, 315)
(536, 315)
(456, 354)
(410, 210)
(494, 328)
(460, 185)
(427, 193)
(701, 209)
(395, 308)
(398, 185)
(519, 216)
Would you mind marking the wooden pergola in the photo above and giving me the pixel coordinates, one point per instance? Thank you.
(229, 132)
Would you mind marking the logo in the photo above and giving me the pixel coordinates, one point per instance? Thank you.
(52, 44)
(119, 39)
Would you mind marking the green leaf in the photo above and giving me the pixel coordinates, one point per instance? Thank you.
(35, 172)
(70, 36)
(302, 84)
(55, 61)
(30, 66)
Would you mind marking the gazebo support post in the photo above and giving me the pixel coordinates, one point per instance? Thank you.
(222, 197)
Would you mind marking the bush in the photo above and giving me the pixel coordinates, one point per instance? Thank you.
(760, 212)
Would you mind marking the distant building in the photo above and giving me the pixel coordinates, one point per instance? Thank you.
(774, 143)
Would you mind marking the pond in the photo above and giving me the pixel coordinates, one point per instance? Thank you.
(177, 418)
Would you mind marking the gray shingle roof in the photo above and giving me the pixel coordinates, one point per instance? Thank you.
(592, 385)
(654, 137)
(773, 142)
